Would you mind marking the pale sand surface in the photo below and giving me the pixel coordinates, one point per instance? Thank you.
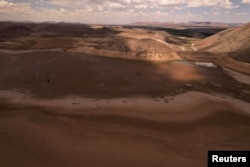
(149, 108)
(128, 131)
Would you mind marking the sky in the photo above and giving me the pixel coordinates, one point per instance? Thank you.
(125, 11)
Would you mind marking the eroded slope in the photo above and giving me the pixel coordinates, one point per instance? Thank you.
(233, 42)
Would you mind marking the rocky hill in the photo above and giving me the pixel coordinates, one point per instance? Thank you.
(234, 42)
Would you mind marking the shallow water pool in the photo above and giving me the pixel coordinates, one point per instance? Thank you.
(198, 63)
(206, 64)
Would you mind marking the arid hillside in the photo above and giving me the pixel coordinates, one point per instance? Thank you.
(234, 42)
(110, 41)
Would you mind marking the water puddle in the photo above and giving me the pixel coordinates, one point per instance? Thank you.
(204, 64)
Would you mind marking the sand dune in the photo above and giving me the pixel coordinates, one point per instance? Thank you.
(129, 131)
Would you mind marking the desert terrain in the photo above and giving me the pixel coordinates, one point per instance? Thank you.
(134, 95)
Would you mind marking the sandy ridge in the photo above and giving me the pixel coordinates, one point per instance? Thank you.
(190, 105)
